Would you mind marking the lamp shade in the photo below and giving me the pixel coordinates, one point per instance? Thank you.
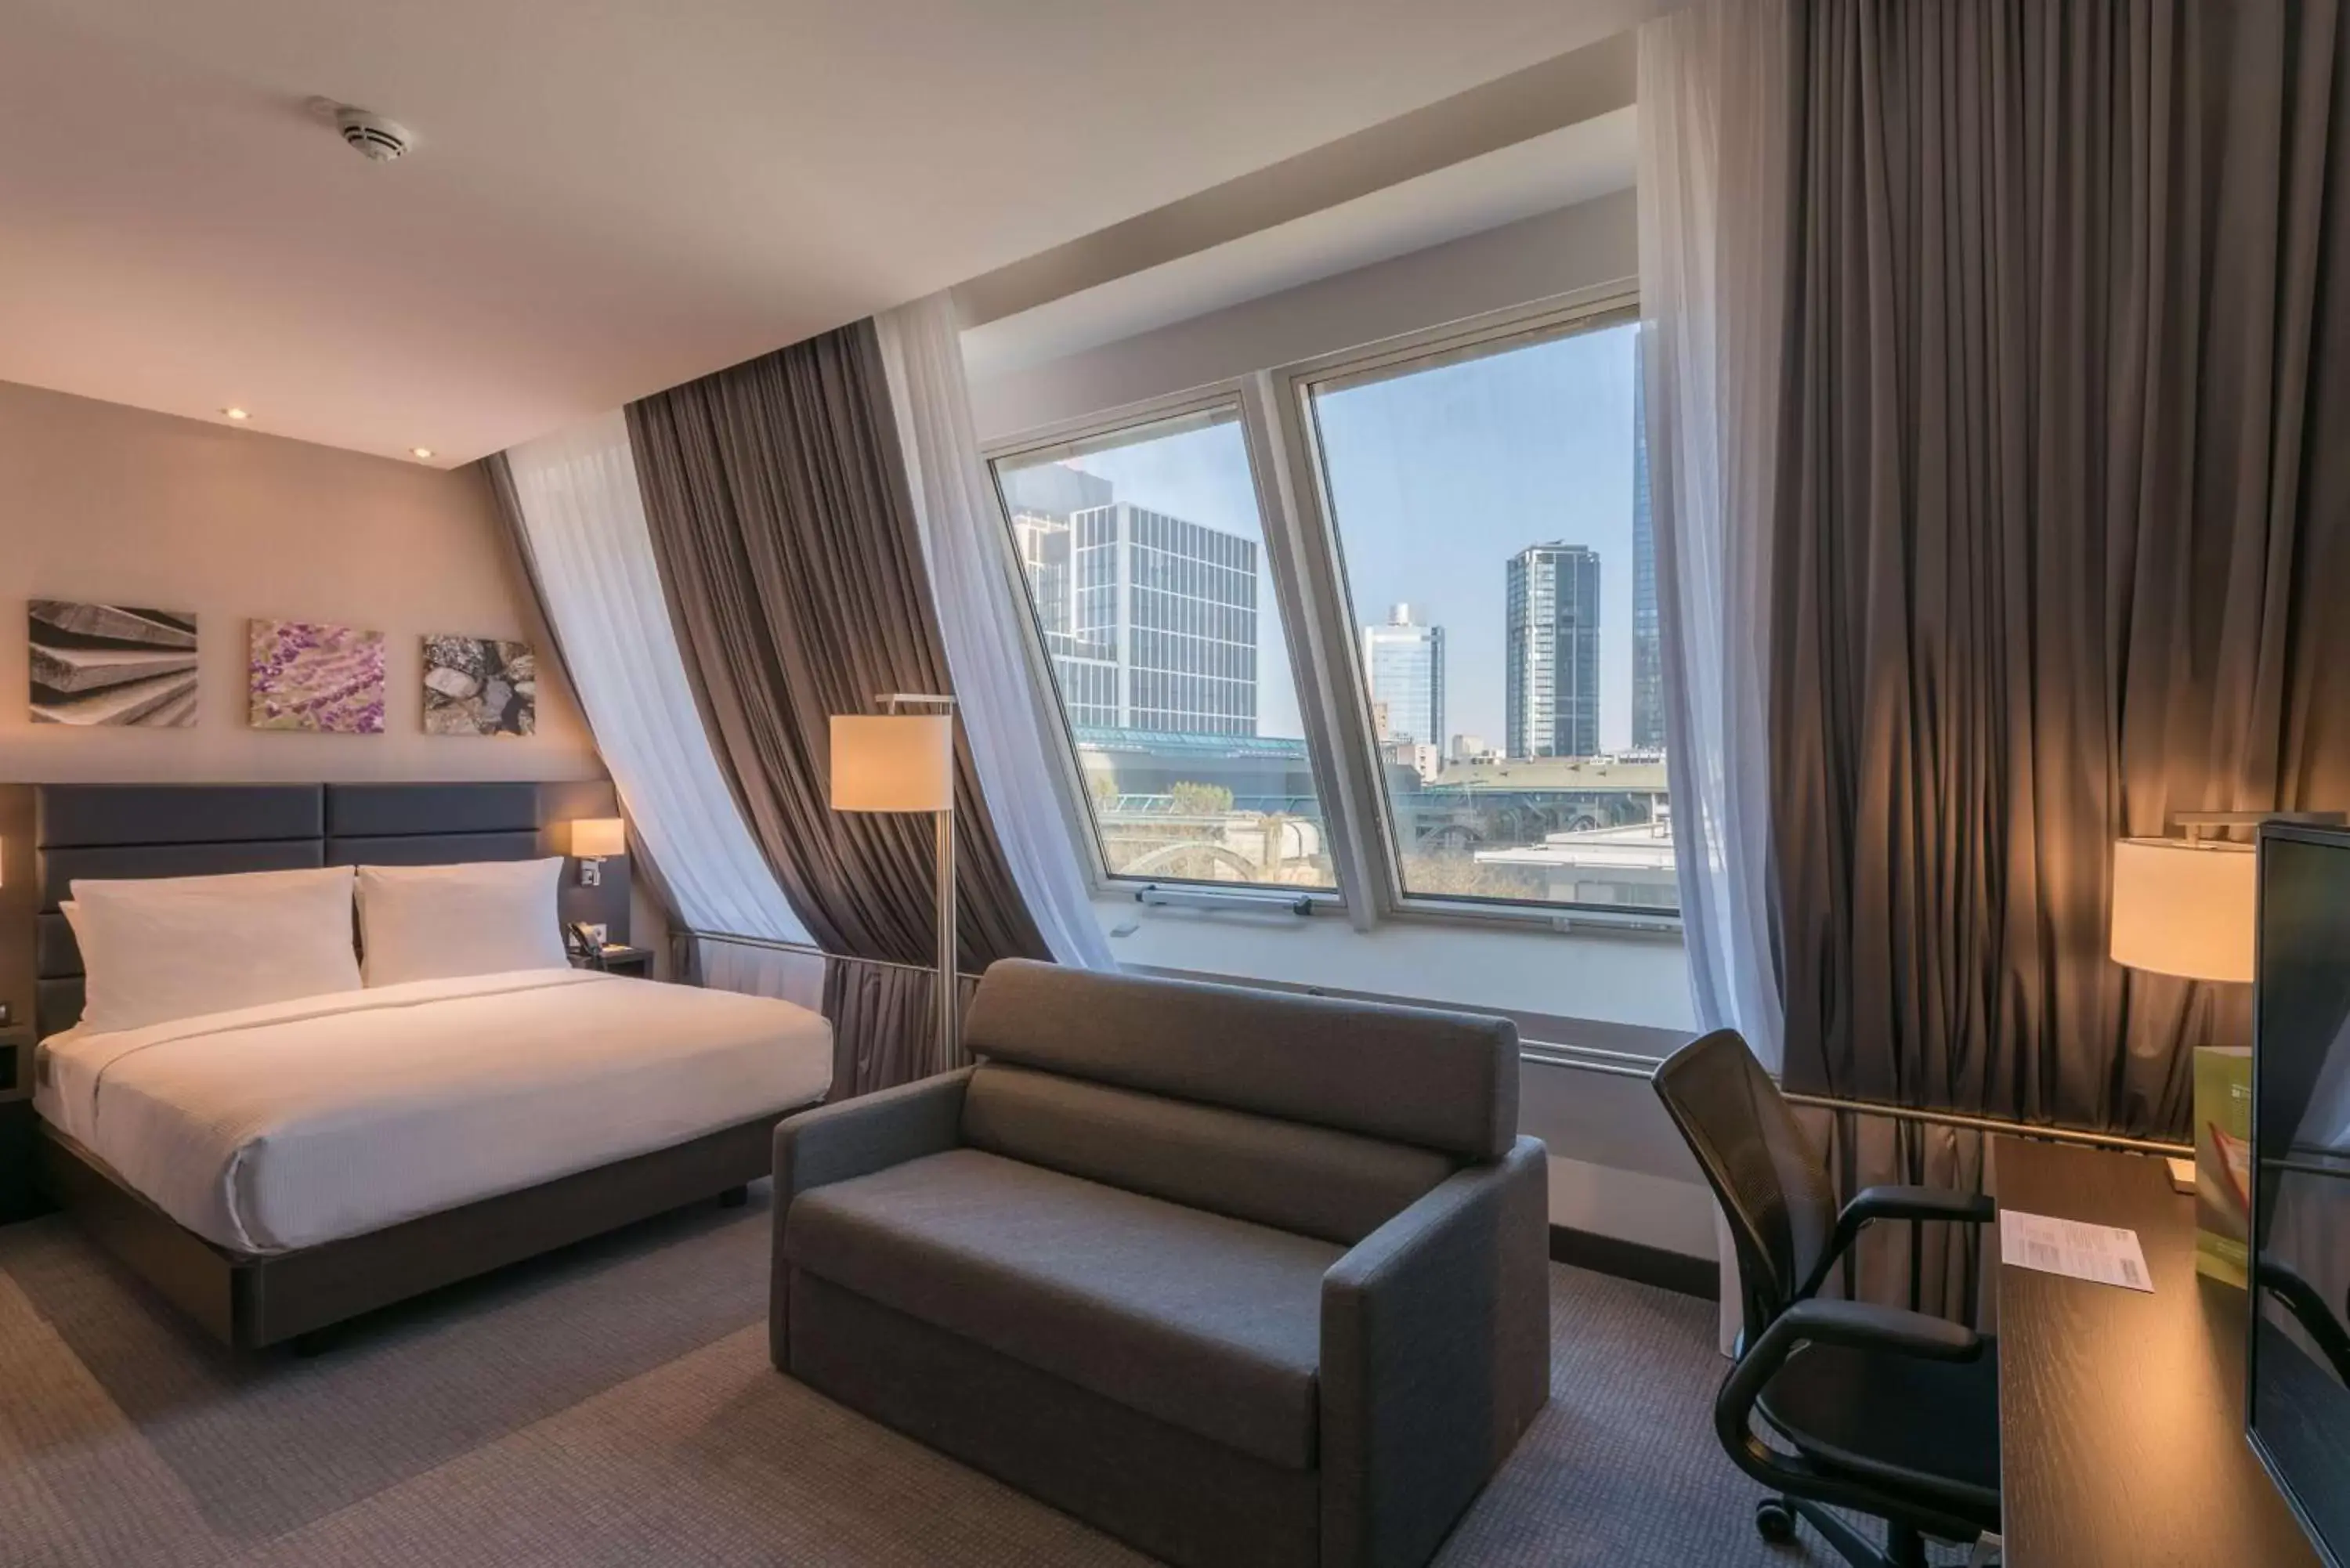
(595, 837)
(2184, 909)
(892, 762)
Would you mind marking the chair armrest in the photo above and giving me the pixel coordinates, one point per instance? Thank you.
(870, 1133)
(1860, 1326)
(1896, 1203)
(1435, 1357)
(853, 1138)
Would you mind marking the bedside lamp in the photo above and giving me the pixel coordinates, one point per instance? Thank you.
(900, 761)
(594, 840)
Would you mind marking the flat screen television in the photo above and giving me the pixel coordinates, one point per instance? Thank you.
(2298, 1383)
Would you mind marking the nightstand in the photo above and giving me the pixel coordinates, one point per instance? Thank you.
(18, 1129)
(635, 962)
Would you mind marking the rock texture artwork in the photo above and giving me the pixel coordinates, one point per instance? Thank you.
(113, 664)
(308, 675)
(479, 686)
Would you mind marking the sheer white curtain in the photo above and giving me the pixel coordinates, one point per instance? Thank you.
(1715, 81)
(576, 491)
(1008, 714)
(1716, 144)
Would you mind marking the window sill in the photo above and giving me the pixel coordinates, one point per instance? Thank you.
(1608, 991)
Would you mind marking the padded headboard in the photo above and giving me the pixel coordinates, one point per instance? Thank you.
(194, 830)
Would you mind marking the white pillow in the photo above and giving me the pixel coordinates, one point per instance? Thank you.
(436, 922)
(179, 947)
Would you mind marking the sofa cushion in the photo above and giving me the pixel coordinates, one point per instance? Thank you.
(1211, 1323)
(1316, 1181)
(1422, 1076)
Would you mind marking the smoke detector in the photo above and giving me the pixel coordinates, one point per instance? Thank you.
(374, 138)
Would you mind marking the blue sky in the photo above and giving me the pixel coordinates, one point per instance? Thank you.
(1438, 478)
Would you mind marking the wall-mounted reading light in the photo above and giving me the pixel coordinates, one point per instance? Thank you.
(594, 840)
(239, 415)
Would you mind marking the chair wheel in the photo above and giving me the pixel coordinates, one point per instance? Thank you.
(1775, 1521)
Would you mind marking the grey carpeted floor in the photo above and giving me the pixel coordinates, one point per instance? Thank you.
(614, 1405)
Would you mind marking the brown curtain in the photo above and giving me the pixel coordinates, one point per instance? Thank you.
(2062, 546)
(780, 517)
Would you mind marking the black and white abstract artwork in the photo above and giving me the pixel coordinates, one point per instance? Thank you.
(479, 686)
(113, 664)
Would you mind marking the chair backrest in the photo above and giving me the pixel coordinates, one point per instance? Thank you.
(1435, 1079)
(1774, 1189)
(1318, 1116)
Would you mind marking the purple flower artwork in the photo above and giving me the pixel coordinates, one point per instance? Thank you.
(307, 675)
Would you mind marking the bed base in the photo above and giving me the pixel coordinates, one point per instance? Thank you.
(252, 1300)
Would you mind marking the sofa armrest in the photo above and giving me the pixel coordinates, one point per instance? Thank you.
(855, 1137)
(1435, 1357)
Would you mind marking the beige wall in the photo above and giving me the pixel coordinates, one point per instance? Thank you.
(112, 504)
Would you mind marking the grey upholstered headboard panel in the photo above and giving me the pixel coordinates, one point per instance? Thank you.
(189, 830)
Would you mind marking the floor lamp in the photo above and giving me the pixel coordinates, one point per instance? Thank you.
(904, 761)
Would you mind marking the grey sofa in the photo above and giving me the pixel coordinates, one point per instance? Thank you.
(1239, 1277)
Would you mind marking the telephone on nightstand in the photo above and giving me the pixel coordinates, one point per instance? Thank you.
(582, 940)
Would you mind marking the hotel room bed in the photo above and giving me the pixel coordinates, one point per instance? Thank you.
(277, 1164)
(288, 1126)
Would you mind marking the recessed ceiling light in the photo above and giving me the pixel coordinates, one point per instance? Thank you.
(238, 414)
(420, 451)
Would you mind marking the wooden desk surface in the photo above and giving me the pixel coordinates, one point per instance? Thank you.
(2121, 1413)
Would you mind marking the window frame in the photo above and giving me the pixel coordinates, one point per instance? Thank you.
(1305, 562)
(1212, 397)
(1345, 682)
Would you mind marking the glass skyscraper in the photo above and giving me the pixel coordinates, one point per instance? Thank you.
(1404, 663)
(1150, 619)
(1553, 613)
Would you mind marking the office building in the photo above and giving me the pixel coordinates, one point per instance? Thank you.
(1150, 619)
(1553, 610)
(1404, 662)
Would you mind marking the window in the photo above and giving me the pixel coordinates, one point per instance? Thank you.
(1488, 499)
(1462, 519)
(1145, 559)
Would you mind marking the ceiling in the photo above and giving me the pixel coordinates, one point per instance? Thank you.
(605, 199)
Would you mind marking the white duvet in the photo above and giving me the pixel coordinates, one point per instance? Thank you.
(301, 1122)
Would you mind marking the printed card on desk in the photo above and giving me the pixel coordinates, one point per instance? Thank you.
(2108, 1254)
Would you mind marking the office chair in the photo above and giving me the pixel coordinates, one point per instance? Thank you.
(1889, 1412)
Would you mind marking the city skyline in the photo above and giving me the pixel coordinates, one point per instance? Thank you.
(1436, 478)
(1099, 575)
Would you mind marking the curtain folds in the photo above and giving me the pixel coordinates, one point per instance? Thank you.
(792, 571)
(571, 502)
(1010, 715)
(1999, 361)
(2059, 542)
(1716, 94)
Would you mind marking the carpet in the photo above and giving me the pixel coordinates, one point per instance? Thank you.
(613, 1405)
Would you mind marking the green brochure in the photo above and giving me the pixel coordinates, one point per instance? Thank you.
(2223, 1149)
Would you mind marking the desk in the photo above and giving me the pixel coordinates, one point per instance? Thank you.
(2121, 1413)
